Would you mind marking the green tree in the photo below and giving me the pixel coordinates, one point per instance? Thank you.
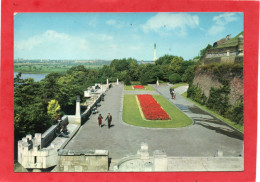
(144, 79)
(53, 109)
(164, 60)
(203, 51)
(164, 71)
(175, 78)
(133, 70)
(50, 86)
(30, 111)
(188, 75)
(176, 64)
(127, 80)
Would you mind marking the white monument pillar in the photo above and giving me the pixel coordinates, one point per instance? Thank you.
(77, 115)
(154, 53)
(107, 82)
(117, 81)
(157, 83)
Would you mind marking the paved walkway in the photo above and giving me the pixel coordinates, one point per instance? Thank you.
(199, 116)
(203, 138)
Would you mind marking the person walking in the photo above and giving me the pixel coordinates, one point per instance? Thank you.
(173, 94)
(100, 120)
(109, 120)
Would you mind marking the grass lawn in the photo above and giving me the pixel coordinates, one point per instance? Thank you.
(179, 85)
(237, 126)
(130, 87)
(132, 115)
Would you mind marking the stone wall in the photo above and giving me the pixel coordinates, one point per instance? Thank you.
(31, 156)
(223, 59)
(82, 161)
(206, 80)
(48, 136)
(222, 50)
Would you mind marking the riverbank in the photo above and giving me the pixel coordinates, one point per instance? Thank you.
(39, 71)
(35, 76)
(47, 68)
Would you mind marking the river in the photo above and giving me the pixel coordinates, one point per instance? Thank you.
(36, 77)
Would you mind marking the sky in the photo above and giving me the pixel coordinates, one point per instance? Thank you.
(108, 36)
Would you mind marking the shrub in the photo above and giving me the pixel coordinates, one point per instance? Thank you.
(127, 80)
(175, 78)
(144, 79)
(219, 100)
(238, 112)
(196, 94)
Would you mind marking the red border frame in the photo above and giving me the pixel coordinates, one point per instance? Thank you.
(251, 24)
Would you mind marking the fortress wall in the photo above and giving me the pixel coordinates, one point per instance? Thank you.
(222, 50)
(223, 59)
(205, 80)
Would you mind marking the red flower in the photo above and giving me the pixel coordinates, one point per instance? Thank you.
(139, 87)
(151, 109)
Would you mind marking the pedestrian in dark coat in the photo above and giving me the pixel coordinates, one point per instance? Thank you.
(170, 90)
(109, 119)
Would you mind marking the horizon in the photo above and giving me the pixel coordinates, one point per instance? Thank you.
(108, 36)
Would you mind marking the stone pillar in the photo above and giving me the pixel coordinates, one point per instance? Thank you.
(154, 53)
(77, 115)
(38, 139)
(117, 81)
(107, 82)
(143, 152)
(160, 161)
(157, 83)
(227, 52)
(20, 148)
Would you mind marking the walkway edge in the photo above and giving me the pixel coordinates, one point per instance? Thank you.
(70, 138)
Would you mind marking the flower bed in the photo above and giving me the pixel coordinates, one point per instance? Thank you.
(139, 87)
(151, 109)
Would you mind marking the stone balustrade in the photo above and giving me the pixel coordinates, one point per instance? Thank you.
(161, 162)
